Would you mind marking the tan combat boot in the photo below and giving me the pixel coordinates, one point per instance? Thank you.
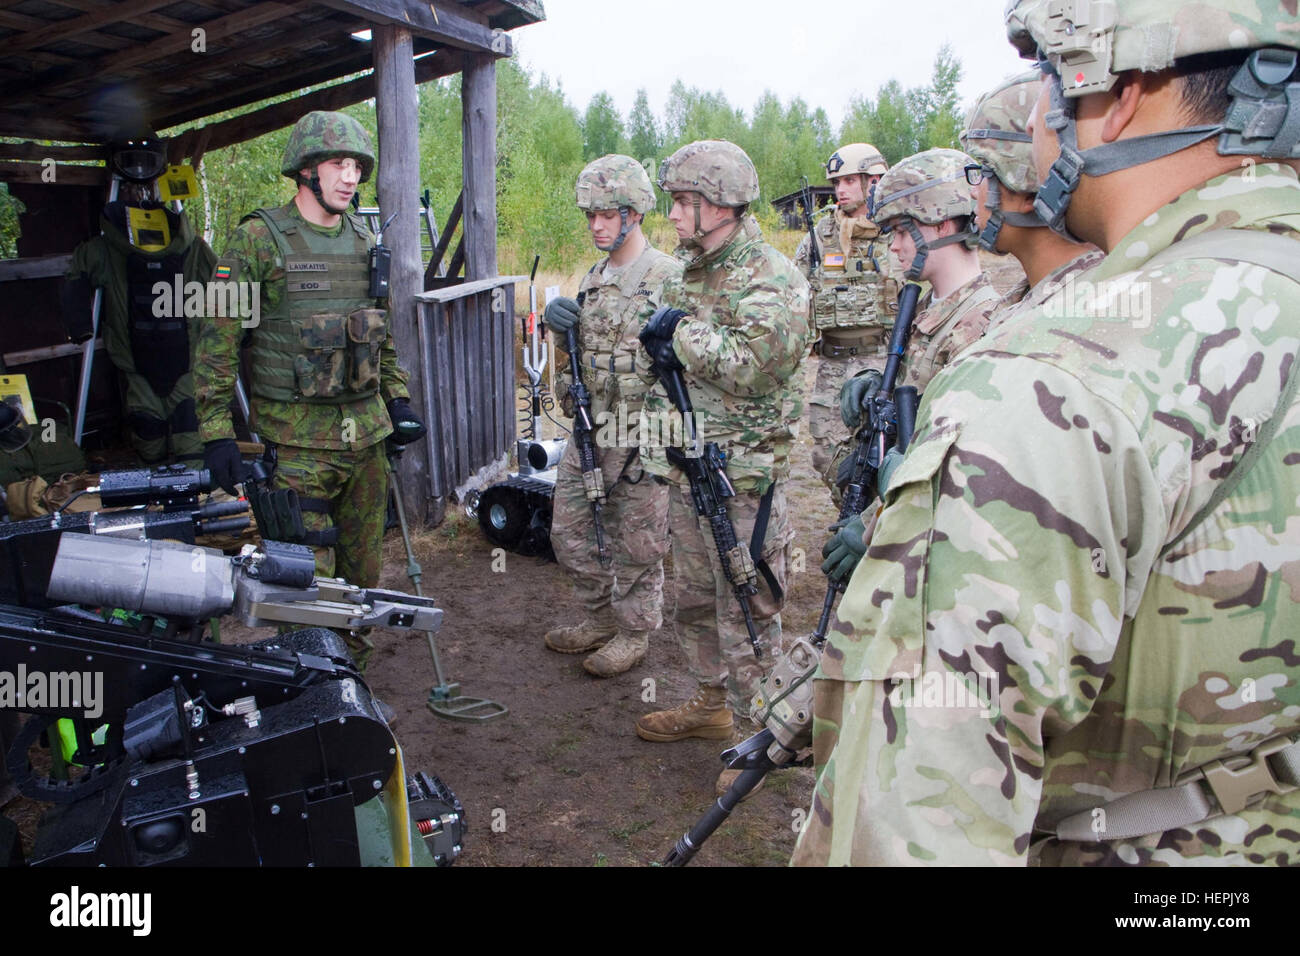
(579, 638)
(743, 731)
(620, 655)
(704, 715)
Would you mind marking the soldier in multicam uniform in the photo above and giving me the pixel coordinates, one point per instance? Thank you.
(326, 388)
(1102, 506)
(995, 137)
(854, 290)
(740, 337)
(624, 602)
(927, 204)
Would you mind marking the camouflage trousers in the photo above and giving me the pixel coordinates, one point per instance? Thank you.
(710, 626)
(635, 519)
(824, 422)
(355, 483)
(161, 429)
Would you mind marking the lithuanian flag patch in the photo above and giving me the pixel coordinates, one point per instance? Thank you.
(221, 272)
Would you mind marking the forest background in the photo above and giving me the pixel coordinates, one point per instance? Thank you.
(543, 142)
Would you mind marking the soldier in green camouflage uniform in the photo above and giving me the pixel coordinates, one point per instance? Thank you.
(854, 293)
(147, 336)
(620, 292)
(995, 137)
(740, 337)
(326, 388)
(1100, 508)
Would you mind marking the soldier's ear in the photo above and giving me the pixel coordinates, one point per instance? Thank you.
(1131, 92)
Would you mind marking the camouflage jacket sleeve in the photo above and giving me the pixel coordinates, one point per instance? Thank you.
(756, 349)
(802, 257)
(392, 377)
(983, 618)
(216, 349)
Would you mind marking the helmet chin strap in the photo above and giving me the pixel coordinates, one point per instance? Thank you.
(700, 233)
(314, 185)
(924, 247)
(1063, 178)
(624, 228)
(988, 238)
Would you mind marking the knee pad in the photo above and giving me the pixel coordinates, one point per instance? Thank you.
(147, 426)
(184, 418)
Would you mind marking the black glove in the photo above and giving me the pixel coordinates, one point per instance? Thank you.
(662, 324)
(407, 426)
(224, 463)
(661, 353)
(561, 315)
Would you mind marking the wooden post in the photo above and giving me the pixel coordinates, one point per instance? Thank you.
(479, 160)
(399, 191)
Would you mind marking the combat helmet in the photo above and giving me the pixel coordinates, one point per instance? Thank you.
(615, 182)
(995, 137)
(930, 187)
(719, 171)
(322, 135)
(1084, 46)
(856, 158)
(714, 169)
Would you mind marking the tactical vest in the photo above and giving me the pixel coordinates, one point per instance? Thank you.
(609, 343)
(321, 343)
(160, 345)
(849, 289)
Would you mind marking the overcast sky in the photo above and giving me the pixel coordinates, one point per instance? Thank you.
(824, 52)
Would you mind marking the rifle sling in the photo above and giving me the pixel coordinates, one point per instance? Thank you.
(756, 543)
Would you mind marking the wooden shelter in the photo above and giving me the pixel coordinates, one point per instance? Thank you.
(68, 63)
(790, 206)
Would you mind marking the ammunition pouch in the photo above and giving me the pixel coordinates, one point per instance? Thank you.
(615, 364)
(843, 344)
(317, 539)
(279, 513)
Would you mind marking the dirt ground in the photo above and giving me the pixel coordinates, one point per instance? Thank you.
(563, 776)
(563, 780)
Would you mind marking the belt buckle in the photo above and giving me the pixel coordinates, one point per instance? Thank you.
(1234, 787)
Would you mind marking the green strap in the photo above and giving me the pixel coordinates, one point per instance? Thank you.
(1277, 253)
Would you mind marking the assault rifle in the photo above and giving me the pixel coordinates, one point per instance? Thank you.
(276, 746)
(593, 482)
(889, 417)
(710, 488)
(785, 706)
(806, 200)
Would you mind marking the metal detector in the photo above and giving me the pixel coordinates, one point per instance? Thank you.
(445, 698)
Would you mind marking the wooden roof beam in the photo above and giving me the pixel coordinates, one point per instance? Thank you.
(237, 129)
(444, 25)
(137, 54)
(74, 26)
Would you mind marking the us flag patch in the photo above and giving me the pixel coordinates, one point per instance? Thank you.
(833, 259)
